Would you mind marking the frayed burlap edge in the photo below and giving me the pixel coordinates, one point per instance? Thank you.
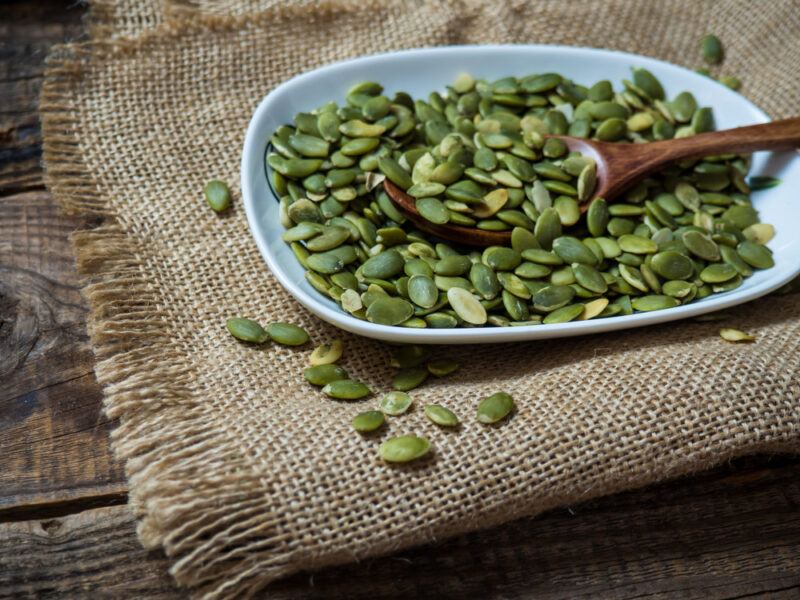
(217, 532)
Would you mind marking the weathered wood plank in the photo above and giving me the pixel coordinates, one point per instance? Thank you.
(733, 533)
(27, 30)
(53, 437)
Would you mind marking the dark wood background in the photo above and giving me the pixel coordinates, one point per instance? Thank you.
(65, 530)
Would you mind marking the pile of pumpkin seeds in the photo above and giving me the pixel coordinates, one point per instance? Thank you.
(477, 156)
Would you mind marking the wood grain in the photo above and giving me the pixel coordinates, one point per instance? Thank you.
(53, 438)
(733, 533)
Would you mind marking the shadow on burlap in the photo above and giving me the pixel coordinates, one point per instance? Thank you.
(240, 470)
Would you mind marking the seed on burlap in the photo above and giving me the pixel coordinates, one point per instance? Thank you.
(346, 389)
(326, 354)
(247, 330)
(368, 421)
(287, 334)
(404, 449)
(218, 195)
(395, 403)
(495, 408)
(734, 335)
(441, 415)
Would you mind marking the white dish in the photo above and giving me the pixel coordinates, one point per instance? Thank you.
(421, 71)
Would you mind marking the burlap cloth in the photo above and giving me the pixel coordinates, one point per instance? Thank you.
(240, 470)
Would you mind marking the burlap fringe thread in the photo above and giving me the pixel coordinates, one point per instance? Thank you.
(221, 521)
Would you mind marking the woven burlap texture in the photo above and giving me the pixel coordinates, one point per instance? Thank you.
(240, 470)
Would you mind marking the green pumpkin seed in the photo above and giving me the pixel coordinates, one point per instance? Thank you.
(218, 195)
(501, 258)
(718, 273)
(731, 257)
(572, 250)
(755, 255)
(701, 245)
(672, 265)
(433, 210)
(422, 291)
(552, 297)
(548, 228)
(247, 330)
(389, 311)
(309, 145)
(442, 367)
(321, 375)
(596, 308)
(287, 334)
(495, 408)
(385, 265)
(711, 49)
(484, 280)
(637, 245)
(395, 403)
(654, 302)
(368, 421)
(736, 336)
(403, 449)
(467, 306)
(325, 263)
(590, 278)
(326, 354)
(442, 416)
(410, 378)
(564, 314)
(346, 389)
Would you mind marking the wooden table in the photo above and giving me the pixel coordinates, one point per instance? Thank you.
(64, 527)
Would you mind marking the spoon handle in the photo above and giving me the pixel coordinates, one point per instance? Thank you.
(777, 135)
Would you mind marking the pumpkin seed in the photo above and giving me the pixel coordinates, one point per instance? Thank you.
(441, 416)
(736, 336)
(442, 367)
(654, 302)
(755, 255)
(395, 403)
(711, 49)
(718, 273)
(564, 314)
(389, 311)
(287, 334)
(346, 389)
(218, 195)
(701, 245)
(368, 421)
(593, 309)
(410, 378)
(495, 408)
(326, 354)
(404, 449)
(466, 305)
(572, 250)
(321, 375)
(247, 330)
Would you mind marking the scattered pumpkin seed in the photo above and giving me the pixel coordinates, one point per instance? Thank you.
(441, 416)
(404, 449)
(326, 354)
(395, 403)
(734, 335)
(287, 334)
(410, 378)
(218, 195)
(247, 330)
(324, 374)
(442, 367)
(346, 389)
(368, 421)
(495, 408)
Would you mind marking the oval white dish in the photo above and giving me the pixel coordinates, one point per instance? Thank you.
(421, 71)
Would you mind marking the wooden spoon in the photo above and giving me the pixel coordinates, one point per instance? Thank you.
(621, 165)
